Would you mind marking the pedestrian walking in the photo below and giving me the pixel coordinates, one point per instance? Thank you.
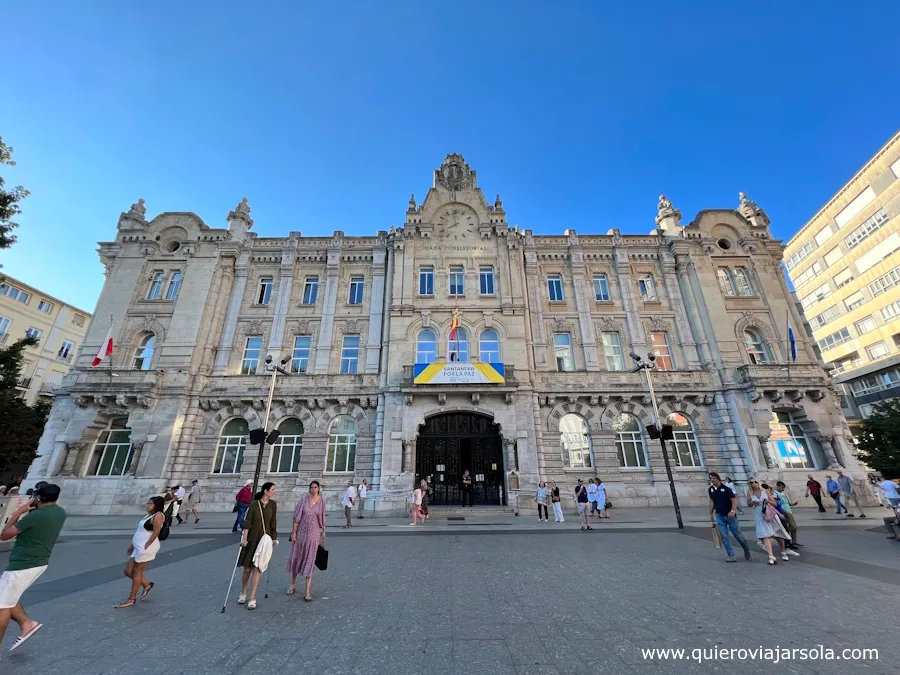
(602, 511)
(361, 496)
(834, 490)
(179, 500)
(730, 485)
(784, 502)
(347, 502)
(592, 496)
(306, 532)
(557, 505)
(893, 520)
(35, 526)
(193, 502)
(723, 513)
(260, 523)
(891, 491)
(467, 488)
(768, 524)
(169, 505)
(581, 504)
(848, 493)
(814, 490)
(418, 496)
(143, 549)
(541, 499)
(242, 502)
(423, 509)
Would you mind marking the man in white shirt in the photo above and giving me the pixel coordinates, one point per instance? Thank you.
(363, 491)
(179, 497)
(349, 499)
(193, 502)
(730, 485)
(891, 492)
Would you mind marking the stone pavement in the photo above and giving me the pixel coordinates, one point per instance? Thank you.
(528, 600)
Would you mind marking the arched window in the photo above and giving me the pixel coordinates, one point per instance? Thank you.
(426, 347)
(286, 451)
(575, 441)
(687, 450)
(788, 444)
(629, 442)
(143, 355)
(757, 348)
(489, 347)
(342, 445)
(112, 451)
(232, 442)
(458, 346)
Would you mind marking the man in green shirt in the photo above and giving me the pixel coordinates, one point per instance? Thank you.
(35, 526)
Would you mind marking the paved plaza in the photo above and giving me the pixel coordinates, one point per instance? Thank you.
(489, 595)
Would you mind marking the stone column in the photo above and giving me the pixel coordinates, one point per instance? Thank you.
(588, 338)
(764, 452)
(282, 302)
(692, 313)
(329, 300)
(55, 465)
(376, 311)
(827, 443)
(226, 343)
(537, 315)
(623, 281)
(676, 302)
(137, 448)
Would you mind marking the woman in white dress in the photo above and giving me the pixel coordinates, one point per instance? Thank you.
(767, 527)
(601, 500)
(143, 549)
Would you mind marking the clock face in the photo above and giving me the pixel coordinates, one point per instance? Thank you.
(456, 222)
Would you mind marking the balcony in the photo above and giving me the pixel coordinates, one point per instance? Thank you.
(23, 383)
(48, 388)
(509, 377)
(3, 338)
(104, 385)
(783, 375)
(65, 358)
(582, 381)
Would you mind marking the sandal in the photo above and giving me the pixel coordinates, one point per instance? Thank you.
(582, 528)
(128, 603)
(772, 560)
(784, 556)
(291, 590)
(147, 591)
(251, 604)
(307, 598)
(242, 598)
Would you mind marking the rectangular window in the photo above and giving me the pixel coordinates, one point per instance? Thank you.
(300, 357)
(562, 345)
(341, 455)
(835, 339)
(795, 259)
(78, 320)
(486, 280)
(310, 290)
(612, 350)
(843, 278)
(356, 290)
(45, 306)
(647, 288)
(66, 350)
(828, 315)
(858, 204)
(601, 288)
(4, 328)
(14, 293)
(156, 286)
(350, 355)
(878, 253)
(865, 230)
(833, 256)
(742, 281)
(808, 275)
(174, 286)
(726, 284)
(877, 350)
(853, 301)
(112, 451)
(815, 296)
(888, 313)
(663, 355)
(823, 235)
(426, 281)
(884, 282)
(457, 280)
(264, 294)
(555, 288)
(250, 362)
(33, 332)
(864, 326)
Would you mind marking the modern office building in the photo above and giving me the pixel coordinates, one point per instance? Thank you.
(845, 267)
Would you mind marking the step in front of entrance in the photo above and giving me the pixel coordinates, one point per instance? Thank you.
(459, 512)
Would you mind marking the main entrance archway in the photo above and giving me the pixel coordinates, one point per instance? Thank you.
(451, 443)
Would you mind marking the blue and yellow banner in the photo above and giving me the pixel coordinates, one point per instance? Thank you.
(459, 373)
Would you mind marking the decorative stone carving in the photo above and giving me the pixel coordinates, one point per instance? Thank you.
(664, 209)
(258, 404)
(476, 398)
(254, 327)
(350, 327)
(679, 398)
(551, 401)
(510, 398)
(81, 401)
(823, 437)
(604, 401)
(816, 394)
(593, 400)
(754, 395)
(646, 400)
(488, 319)
(300, 327)
(455, 174)
(73, 451)
(776, 395)
(560, 323)
(571, 398)
(498, 204)
(138, 211)
(796, 396)
(408, 399)
(442, 399)
(426, 319)
(121, 401)
(412, 207)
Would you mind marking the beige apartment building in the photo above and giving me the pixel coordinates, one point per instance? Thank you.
(59, 327)
(845, 266)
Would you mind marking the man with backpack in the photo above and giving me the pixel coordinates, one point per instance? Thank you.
(242, 501)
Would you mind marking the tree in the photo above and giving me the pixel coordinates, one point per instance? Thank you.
(879, 439)
(22, 425)
(9, 200)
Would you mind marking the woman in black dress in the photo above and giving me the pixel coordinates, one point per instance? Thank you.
(260, 521)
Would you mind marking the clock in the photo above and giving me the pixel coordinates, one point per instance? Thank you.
(456, 221)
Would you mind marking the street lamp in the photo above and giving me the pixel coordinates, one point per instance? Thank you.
(258, 436)
(662, 432)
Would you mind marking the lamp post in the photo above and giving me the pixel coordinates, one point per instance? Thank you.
(258, 436)
(661, 430)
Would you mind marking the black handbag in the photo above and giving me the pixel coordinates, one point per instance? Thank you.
(322, 558)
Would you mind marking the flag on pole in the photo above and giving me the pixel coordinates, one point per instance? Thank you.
(105, 350)
(454, 324)
(792, 343)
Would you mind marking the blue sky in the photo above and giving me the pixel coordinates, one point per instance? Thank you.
(328, 115)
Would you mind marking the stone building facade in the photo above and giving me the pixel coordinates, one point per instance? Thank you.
(454, 342)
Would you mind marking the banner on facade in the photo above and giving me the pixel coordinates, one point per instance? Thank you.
(459, 373)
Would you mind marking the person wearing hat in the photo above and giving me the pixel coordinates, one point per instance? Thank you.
(35, 526)
(242, 502)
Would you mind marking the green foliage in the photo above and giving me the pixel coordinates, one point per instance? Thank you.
(879, 439)
(9, 200)
(21, 425)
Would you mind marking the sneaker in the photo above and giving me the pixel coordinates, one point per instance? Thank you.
(730, 558)
(792, 552)
(746, 553)
(862, 515)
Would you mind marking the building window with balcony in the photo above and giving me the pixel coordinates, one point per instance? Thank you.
(112, 451)
(426, 281)
(174, 286)
(757, 348)
(250, 361)
(486, 280)
(877, 351)
(457, 280)
(45, 306)
(350, 355)
(788, 444)
(864, 326)
(156, 286)
(630, 442)
(300, 356)
(66, 350)
(341, 445)
(555, 288)
(4, 328)
(575, 442)
(663, 353)
(426, 346)
(356, 290)
(232, 443)
(33, 333)
(647, 288)
(601, 288)
(687, 449)
(489, 346)
(869, 384)
(562, 346)
(612, 352)
(14, 293)
(143, 355)
(286, 451)
(458, 346)
(310, 290)
(264, 292)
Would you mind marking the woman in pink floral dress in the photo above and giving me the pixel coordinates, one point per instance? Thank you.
(309, 527)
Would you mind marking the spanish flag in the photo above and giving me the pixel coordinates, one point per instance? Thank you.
(455, 324)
